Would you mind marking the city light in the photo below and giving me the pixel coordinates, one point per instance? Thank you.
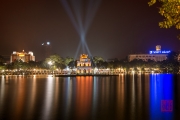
(50, 62)
(159, 52)
(47, 43)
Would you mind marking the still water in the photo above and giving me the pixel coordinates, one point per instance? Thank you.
(124, 97)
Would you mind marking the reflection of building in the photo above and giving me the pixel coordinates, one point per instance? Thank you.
(84, 64)
(161, 96)
(157, 55)
(25, 57)
(46, 49)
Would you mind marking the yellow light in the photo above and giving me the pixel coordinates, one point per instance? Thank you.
(21, 55)
(84, 56)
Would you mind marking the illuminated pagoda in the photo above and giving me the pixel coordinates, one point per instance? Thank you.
(84, 65)
(25, 57)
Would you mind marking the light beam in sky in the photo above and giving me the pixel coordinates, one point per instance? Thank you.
(74, 9)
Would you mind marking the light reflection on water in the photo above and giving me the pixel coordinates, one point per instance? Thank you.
(2, 92)
(48, 99)
(161, 88)
(87, 97)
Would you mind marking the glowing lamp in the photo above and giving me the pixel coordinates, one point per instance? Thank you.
(50, 62)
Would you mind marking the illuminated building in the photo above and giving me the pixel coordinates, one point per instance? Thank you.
(25, 57)
(158, 47)
(84, 64)
(157, 55)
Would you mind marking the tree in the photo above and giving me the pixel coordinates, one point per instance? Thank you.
(170, 9)
(172, 64)
(173, 56)
(72, 64)
(68, 60)
(2, 67)
(25, 66)
(110, 65)
(55, 61)
(17, 64)
(98, 61)
(32, 64)
(138, 63)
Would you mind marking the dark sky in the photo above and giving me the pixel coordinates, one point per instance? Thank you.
(119, 27)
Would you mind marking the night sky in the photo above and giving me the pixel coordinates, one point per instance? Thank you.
(119, 28)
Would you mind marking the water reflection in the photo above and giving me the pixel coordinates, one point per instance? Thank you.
(83, 96)
(161, 88)
(68, 95)
(95, 96)
(120, 97)
(2, 93)
(31, 100)
(112, 97)
(48, 100)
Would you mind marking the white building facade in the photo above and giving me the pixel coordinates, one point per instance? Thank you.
(157, 55)
(146, 57)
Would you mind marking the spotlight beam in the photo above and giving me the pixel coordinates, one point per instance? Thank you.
(85, 45)
(77, 19)
(76, 4)
(91, 10)
(78, 49)
(70, 14)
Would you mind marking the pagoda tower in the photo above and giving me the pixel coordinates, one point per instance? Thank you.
(84, 65)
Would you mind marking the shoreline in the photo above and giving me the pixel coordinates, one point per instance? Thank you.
(51, 75)
(80, 75)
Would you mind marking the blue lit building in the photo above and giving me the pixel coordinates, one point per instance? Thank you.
(157, 55)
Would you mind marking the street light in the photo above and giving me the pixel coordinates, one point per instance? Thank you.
(50, 62)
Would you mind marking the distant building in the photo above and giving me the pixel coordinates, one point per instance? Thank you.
(46, 49)
(157, 55)
(25, 57)
(146, 57)
(84, 64)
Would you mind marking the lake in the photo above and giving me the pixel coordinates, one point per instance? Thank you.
(123, 97)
